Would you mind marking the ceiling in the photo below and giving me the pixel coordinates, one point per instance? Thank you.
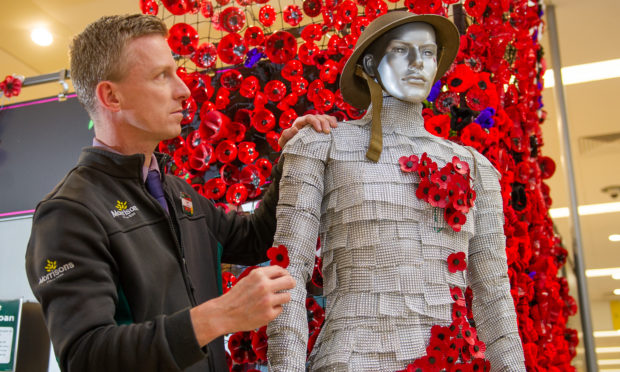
(585, 36)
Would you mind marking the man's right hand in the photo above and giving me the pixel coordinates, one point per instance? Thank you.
(253, 302)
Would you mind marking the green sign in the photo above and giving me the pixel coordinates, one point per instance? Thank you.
(10, 312)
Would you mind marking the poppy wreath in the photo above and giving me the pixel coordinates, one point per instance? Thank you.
(490, 100)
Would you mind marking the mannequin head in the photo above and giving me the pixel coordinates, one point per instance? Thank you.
(404, 61)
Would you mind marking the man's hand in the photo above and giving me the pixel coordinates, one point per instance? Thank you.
(253, 302)
(320, 123)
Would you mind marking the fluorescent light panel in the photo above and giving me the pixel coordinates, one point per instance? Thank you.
(585, 73)
(606, 350)
(614, 237)
(608, 362)
(585, 210)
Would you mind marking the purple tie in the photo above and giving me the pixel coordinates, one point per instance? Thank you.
(153, 185)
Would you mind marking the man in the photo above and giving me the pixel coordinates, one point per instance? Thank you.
(127, 272)
(395, 268)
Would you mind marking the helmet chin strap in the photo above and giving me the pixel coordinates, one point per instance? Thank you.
(376, 98)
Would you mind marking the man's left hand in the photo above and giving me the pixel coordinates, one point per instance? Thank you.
(320, 123)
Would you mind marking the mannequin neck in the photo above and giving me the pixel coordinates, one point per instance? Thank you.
(400, 117)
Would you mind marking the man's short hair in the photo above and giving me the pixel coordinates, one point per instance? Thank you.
(96, 52)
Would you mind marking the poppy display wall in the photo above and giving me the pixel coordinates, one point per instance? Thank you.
(253, 66)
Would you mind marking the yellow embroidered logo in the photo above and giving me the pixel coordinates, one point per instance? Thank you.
(51, 265)
(122, 210)
(121, 206)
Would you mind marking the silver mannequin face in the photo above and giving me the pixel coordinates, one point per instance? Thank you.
(407, 58)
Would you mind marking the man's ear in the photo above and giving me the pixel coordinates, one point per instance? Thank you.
(369, 65)
(107, 95)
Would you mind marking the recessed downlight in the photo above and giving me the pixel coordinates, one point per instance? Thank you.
(41, 36)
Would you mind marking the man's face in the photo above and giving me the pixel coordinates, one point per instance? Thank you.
(408, 62)
(150, 92)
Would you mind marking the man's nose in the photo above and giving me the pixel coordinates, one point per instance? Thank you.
(415, 58)
(182, 91)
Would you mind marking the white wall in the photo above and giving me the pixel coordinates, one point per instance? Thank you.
(14, 234)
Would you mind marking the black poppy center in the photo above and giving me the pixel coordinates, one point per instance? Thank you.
(409, 164)
(456, 82)
(185, 40)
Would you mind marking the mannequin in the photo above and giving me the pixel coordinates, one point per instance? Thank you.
(387, 281)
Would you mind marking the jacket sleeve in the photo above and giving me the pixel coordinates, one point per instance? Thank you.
(246, 238)
(299, 213)
(493, 306)
(74, 277)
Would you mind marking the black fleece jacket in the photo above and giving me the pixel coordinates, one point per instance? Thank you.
(116, 275)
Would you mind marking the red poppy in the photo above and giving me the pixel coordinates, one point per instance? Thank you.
(193, 139)
(240, 346)
(149, 7)
(214, 188)
(275, 90)
(232, 48)
(315, 313)
(213, 124)
(460, 167)
(176, 7)
(424, 6)
(199, 85)
(375, 8)
(247, 152)
(299, 86)
(292, 15)
(324, 100)
(281, 47)
(475, 8)
(469, 334)
(445, 101)
(236, 131)
(205, 55)
(460, 367)
(278, 256)
(312, 32)
(354, 112)
(477, 99)
(259, 343)
(183, 39)
(267, 15)
(200, 157)
(473, 135)
(263, 120)
(438, 125)
(459, 314)
(408, 163)
(424, 189)
(222, 98)
(477, 350)
(260, 100)
(292, 70)
(237, 194)
(231, 79)
(329, 71)
(287, 118)
(206, 9)
(226, 151)
(264, 165)
(547, 166)
(169, 146)
(232, 19)
(249, 86)
(228, 281)
(460, 78)
(438, 197)
(347, 11)
(254, 36)
(456, 262)
(314, 89)
(358, 25)
(312, 8)
(272, 138)
(308, 52)
(251, 176)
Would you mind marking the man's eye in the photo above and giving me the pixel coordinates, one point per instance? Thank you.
(398, 50)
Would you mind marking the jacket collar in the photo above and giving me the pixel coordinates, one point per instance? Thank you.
(117, 165)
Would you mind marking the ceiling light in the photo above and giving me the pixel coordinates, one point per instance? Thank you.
(592, 273)
(614, 238)
(615, 276)
(585, 210)
(608, 362)
(41, 36)
(585, 73)
(614, 333)
(603, 350)
(617, 292)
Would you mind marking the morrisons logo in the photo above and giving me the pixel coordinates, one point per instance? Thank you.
(122, 210)
(55, 272)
